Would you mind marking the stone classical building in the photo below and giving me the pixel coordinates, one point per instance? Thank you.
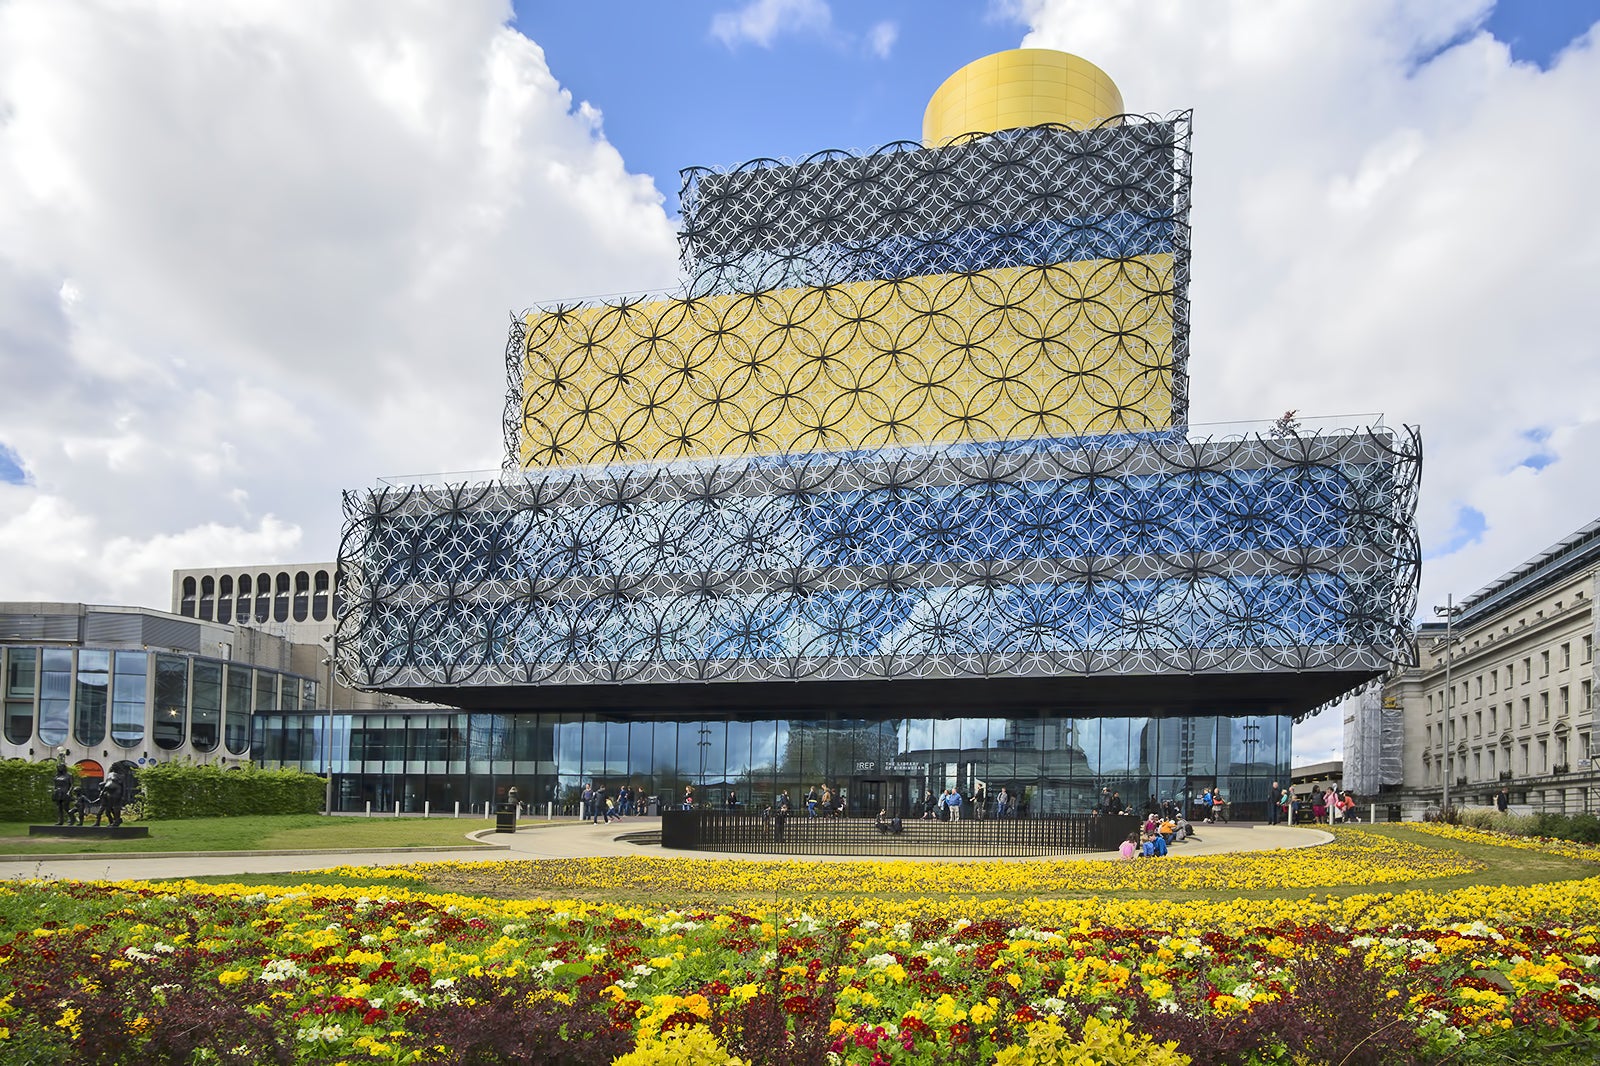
(1504, 696)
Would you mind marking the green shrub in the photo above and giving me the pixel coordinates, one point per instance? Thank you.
(1581, 828)
(25, 790)
(184, 790)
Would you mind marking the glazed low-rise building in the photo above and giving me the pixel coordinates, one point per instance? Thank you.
(101, 685)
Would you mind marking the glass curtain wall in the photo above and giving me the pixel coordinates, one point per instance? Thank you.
(1045, 765)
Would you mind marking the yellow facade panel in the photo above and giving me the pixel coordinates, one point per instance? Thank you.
(1017, 353)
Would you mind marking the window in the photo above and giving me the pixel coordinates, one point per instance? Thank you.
(1491, 763)
(1585, 703)
(1544, 756)
(1561, 751)
(1430, 704)
(266, 691)
(1522, 753)
(172, 701)
(1566, 656)
(1477, 725)
(302, 596)
(280, 603)
(1527, 710)
(1544, 706)
(205, 721)
(236, 710)
(1494, 681)
(129, 686)
(1494, 719)
(186, 605)
(90, 696)
(1544, 664)
(319, 597)
(1588, 648)
(225, 599)
(1566, 701)
(1478, 686)
(22, 684)
(1510, 680)
(1477, 766)
(55, 695)
(1527, 670)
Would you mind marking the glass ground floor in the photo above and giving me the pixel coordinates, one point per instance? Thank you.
(1052, 765)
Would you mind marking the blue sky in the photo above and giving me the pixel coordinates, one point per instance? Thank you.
(674, 94)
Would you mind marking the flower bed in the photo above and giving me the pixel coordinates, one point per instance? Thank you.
(180, 972)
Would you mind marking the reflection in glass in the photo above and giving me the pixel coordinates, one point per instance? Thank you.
(91, 695)
(236, 723)
(22, 684)
(129, 686)
(172, 700)
(206, 714)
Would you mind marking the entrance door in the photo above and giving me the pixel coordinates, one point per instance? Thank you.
(871, 795)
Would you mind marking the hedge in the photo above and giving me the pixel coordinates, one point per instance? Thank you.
(25, 791)
(184, 790)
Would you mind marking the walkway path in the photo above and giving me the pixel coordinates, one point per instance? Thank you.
(568, 840)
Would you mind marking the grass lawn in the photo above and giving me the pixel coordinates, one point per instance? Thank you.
(290, 832)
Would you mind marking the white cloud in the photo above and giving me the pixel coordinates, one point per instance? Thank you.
(253, 255)
(881, 38)
(763, 21)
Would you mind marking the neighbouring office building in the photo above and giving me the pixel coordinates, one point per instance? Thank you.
(898, 493)
(1504, 696)
(100, 687)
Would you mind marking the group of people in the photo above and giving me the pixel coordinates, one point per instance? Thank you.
(822, 801)
(1326, 805)
(602, 804)
(1158, 833)
(952, 805)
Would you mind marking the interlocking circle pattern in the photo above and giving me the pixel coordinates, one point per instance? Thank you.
(917, 414)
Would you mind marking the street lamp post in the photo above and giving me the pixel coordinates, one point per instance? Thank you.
(1448, 612)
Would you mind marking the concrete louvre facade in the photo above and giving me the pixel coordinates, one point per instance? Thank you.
(1519, 710)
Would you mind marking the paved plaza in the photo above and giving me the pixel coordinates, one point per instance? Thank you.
(536, 839)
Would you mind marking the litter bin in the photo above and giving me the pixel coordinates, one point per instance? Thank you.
(505, 817)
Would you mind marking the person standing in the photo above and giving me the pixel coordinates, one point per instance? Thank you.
(953, 801)
(1502, 800)
(1272, 804)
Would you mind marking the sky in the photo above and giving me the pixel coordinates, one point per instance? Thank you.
(252, 255)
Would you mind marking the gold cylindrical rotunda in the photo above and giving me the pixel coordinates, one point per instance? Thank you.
(1016, 88)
